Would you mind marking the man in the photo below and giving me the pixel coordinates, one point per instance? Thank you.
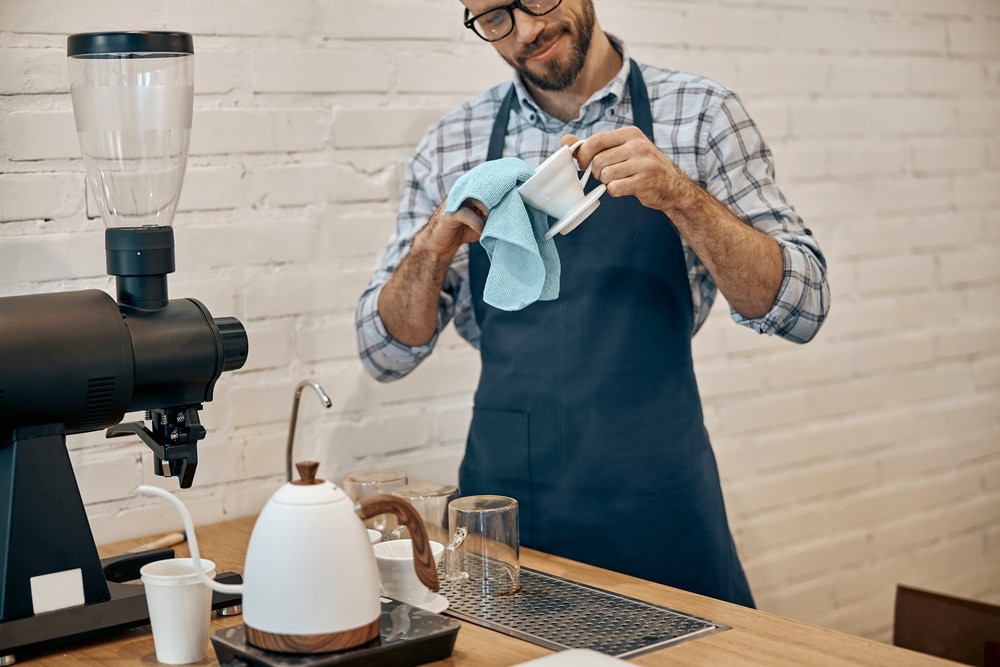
(587, 410)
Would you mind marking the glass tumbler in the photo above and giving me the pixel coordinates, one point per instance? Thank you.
(482, 556)
(362, 484)
(430, 499)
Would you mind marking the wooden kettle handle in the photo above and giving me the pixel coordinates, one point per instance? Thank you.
(423, 559)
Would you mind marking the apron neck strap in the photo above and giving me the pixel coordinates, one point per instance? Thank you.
(641, 115)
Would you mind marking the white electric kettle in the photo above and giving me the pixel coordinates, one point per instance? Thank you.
(311, 584)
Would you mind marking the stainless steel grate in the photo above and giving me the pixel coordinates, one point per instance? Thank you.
(562, 614)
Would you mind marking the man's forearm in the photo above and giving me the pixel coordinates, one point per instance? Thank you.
(408, 304)
(746, 264)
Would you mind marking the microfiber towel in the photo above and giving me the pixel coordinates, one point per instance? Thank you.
(524, 265)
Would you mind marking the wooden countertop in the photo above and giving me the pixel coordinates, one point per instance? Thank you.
(756, 638)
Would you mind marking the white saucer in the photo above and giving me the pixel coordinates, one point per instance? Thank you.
(437, 603)
(571, 220)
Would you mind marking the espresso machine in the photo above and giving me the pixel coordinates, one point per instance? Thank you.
(75, 362)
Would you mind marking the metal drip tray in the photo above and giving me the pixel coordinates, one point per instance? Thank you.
(561, 614)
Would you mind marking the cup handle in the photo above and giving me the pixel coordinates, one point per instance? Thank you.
(586, 173)
(451, 568)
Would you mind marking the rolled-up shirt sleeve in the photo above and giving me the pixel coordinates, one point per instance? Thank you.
(738, 170)
(384, 357)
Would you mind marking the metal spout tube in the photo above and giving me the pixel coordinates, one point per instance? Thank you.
(295, 417)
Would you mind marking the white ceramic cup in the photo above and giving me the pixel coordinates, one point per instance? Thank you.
(555, 188)
(374, 536)
(395, 570)
(180, 609)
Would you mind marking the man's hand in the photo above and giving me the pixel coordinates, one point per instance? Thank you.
(747, 264)
(630, 164)
(445, 233)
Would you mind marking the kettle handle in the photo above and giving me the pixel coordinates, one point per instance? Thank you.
(423, 559)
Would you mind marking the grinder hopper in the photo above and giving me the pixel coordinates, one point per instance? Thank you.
(133, 95)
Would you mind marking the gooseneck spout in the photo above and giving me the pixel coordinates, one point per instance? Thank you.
(191, 539)
(295, 417)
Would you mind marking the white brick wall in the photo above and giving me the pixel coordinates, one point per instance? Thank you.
(867, 458)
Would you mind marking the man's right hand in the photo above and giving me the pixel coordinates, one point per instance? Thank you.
(445, 233)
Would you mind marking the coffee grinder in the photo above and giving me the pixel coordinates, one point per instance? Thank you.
(75, 362)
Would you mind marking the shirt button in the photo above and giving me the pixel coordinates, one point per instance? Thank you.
(610, 112)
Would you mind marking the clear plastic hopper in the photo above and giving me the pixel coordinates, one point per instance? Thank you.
(133, 95)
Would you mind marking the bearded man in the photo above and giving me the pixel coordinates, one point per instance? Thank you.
(587, 409)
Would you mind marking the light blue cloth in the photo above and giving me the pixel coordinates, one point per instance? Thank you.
(524, 265)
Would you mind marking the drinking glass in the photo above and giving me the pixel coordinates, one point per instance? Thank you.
(362, 484)
(483, 553)
(430, 499)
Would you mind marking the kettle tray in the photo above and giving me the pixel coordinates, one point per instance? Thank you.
(409, 636)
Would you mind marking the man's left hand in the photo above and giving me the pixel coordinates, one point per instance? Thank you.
(628, 163)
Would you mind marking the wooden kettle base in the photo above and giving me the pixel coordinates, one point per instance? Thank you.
(322, 643)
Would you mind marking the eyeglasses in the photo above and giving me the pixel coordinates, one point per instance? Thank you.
(495, 24)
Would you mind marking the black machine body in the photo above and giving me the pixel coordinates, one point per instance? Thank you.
(76, 362)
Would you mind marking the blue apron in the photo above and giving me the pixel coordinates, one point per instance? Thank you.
(587, 410)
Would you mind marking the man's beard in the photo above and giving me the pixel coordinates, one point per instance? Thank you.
(557, 75)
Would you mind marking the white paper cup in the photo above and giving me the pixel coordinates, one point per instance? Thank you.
(396, 572)
(180, 609)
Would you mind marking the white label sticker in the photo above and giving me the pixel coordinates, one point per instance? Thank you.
(57, 590)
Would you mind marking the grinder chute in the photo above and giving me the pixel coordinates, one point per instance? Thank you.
(75, 362)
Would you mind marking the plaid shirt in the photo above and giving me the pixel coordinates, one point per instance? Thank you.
(697, 123)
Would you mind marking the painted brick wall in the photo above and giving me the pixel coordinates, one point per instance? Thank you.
(867, 458)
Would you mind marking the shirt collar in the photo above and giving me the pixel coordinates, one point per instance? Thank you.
(609, 94)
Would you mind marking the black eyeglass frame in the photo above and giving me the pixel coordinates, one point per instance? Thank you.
(470, 21)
